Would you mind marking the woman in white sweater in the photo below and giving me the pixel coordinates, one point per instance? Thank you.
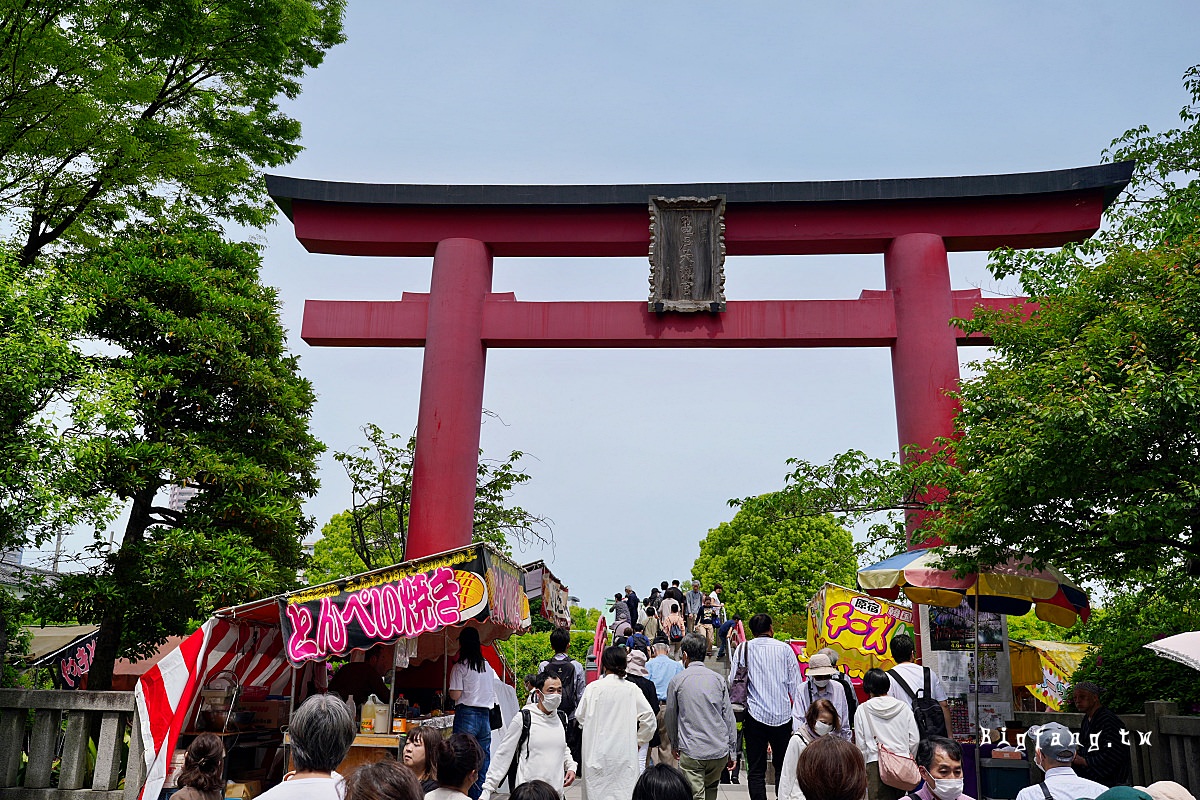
(887, 721)
(822, 719)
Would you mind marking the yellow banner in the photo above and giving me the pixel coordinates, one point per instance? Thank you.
(858, 627)
(1059, 661)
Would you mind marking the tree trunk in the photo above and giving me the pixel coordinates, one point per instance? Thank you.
(125, 572)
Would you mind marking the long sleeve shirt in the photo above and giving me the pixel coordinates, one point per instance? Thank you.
(774, 678)
(698, 717)
(693, 600)
(834, 693)
(544, 756)
(1108, 762)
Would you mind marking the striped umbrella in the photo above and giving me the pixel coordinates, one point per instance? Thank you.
(1010, 588)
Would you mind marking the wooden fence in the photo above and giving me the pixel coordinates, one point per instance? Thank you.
(101, 718)
(1171, 752)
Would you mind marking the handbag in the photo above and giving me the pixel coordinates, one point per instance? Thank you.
(897, 770)
(739, 690)
(495, 718)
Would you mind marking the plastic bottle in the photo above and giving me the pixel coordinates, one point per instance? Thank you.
(367, 718)
(380, 714)
(400, 716)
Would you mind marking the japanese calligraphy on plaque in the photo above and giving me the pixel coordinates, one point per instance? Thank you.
(687, 254)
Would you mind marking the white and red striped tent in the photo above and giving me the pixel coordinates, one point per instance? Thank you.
(168, 694)
(249, 641)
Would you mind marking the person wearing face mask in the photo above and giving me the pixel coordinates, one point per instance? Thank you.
(819, 685)
(1054, 748)
(821, 720)
(534, 743)
(939, 760)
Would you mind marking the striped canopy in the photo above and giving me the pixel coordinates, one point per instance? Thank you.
(1009, 588)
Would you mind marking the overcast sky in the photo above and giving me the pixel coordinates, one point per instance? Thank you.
(566, 92)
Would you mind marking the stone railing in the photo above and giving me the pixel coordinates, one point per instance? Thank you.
(1170, 753)
(63, 725)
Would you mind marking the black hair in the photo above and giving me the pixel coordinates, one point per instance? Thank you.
(620, 641)
(529, 680)
(902, 647)
(876, 683)
(662, 782)
(534, 790)
(664, 585)
(560, 639)
(614, 660)
(638, 627)
(539, 680)
(675, 582)
(459, 756)
(695, 647)
(928, 748)
(760, 624)
(469, 649)
(618, 597)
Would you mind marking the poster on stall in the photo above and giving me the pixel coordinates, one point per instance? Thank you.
(956, 629)
(989, 671)
(992, 714)
(472, 584)
(859, 627)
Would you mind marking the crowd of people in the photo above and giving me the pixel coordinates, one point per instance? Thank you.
(658, 724)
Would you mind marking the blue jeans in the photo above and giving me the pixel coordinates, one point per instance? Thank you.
(478, 723)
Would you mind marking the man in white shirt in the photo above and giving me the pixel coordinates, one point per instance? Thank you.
(1054, 750)
(542, 753)
(913, 676)
(774, 679)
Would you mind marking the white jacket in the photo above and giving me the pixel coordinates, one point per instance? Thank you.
(548, 757)
(889, 721)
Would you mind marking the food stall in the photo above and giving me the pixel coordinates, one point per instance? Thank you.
(245, 670)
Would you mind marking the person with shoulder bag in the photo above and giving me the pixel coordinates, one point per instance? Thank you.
(886, 733)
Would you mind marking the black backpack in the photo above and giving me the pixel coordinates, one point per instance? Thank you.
(526, 719)
(676, 633)
(851, 697)
(930, 719)
(564, 670)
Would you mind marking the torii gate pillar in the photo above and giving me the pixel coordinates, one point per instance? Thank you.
(447, 455)
(925, 353)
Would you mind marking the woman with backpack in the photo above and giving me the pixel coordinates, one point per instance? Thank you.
(886, 733)
(821, 720)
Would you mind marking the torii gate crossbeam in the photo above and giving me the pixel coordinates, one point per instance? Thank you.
(913, 223)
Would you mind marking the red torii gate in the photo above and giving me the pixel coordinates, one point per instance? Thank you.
(913, 222)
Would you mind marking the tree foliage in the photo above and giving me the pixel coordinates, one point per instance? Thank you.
(376, 525)
(525, 652)
(771, 564)
(191, 385)
(1119, 661)
(115, 110)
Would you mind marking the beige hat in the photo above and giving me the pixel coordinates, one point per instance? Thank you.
(819, 666)
(636, 665)
(1168, 790)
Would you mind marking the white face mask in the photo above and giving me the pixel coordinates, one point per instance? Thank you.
(823, 728)
(821, 682)
(551, 702)
(947, 788)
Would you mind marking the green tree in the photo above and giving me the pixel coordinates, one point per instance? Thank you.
(333, 554)
(375, 527)
(1027, 626)
(114, 110)
(771, 564)
(192, 385)
(1119, 660)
